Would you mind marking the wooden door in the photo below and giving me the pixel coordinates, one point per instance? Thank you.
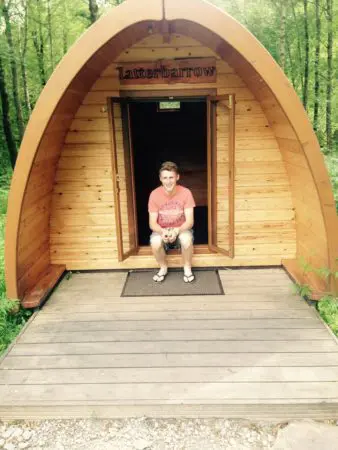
(221, 157)
(123, 178)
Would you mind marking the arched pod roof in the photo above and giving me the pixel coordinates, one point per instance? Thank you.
(268, 82)
(60, 98)
(118, 30)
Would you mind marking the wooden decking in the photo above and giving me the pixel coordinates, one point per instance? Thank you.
(256, 352)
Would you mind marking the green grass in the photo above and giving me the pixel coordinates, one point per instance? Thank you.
(12, 316)
(328, 309)
(328, 306)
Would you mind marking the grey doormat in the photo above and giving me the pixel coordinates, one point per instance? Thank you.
(139, 283)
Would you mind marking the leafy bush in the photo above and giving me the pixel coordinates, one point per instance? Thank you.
(328, 309)
(327, 306)
(12, 315)
(12, 319)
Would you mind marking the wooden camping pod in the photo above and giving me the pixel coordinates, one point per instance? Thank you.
(63, 206)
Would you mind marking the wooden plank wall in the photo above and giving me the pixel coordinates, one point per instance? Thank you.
(311, 234)
(82, 222)
(27, 250)
(33, 237)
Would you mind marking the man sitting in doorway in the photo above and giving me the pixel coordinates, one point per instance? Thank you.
(171, 218)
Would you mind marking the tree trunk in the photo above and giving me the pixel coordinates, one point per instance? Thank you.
(282, 36)
(6, 119)
(39, 45)
(306, 62)
(49, 19)
(299, 48)
(23, 66)
(329, 140)
(292, 69)
(317, 87)
(93, 11)
(15, 81)
(65, 27)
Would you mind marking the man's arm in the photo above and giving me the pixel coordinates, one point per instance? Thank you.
(154, 226)
(189, 221)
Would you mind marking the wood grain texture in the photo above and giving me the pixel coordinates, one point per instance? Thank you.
(87, 76)
(172, 352)
(260, 179)
(53, 115)
(43, 288)
(282, 108)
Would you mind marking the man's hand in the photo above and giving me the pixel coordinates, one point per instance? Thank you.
(165, 235)
(172, 235)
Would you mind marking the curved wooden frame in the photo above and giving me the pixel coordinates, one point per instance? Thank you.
(62, 79)
(81, 56)
(269, 72)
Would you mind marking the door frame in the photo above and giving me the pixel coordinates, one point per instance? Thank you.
(172, 94)
(229, 102)
(129, 177)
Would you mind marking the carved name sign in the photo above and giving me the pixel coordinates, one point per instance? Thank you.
(201, 70)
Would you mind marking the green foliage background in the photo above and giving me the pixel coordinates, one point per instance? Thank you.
(68, 20)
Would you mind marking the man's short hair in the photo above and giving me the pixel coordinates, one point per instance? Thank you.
(170, 166)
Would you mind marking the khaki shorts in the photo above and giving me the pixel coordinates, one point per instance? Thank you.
(176, 245)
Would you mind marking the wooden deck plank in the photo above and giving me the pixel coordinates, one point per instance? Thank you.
(277, 411)
(62, 299)
(253, 271)
(169, 375)
(229, 289)
(111, 348)
(101, 288)
(133, 360)
(183, 305)
(178, 315)
(279, 284)
(257, 280)
(81, 282)
(255, 350)
(262, 290)
(146, 325)
(86, 281)
(263, 279)
(169, 392)
(174, 335)
(250, 274)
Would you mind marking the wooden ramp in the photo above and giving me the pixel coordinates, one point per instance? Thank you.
(256, 352)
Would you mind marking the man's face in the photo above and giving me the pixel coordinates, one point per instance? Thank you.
(169, 180)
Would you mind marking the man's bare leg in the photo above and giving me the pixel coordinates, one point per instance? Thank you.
(187, 251)
(160, 256)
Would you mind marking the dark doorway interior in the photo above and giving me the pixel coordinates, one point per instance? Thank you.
(179, 136)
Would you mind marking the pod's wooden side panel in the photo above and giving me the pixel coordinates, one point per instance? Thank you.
(27, 252)
(82, 223)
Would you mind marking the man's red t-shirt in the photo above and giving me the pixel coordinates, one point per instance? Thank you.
(170, 209)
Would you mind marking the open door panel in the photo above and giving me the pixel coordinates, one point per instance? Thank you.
(221, 157)
(123, 178)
